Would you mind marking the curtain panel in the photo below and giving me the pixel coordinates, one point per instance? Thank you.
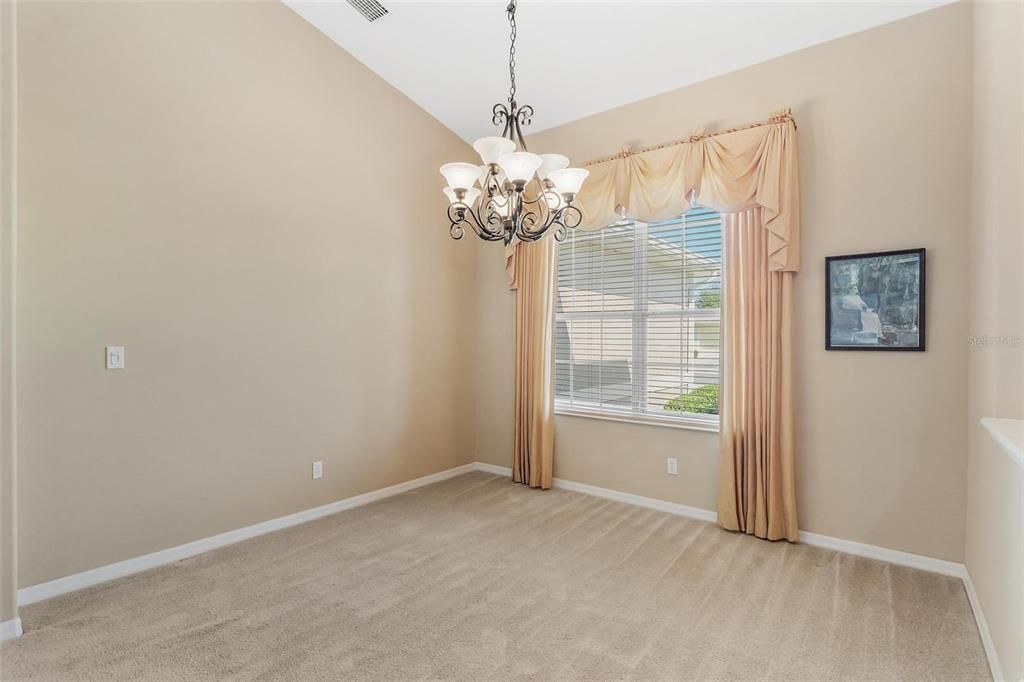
(535, 277)
(757, 476)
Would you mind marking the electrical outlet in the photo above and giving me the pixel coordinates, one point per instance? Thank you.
(671, 466)
(318, 469)
(115, 357)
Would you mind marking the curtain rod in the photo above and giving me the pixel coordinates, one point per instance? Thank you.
(777, 117)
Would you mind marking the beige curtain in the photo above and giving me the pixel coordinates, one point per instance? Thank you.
(756, 490)
(534, 276)
(750, 175)
(729, 171)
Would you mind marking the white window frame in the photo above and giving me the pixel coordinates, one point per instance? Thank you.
(635, 415)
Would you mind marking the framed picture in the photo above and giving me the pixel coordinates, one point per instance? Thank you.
(875, 301)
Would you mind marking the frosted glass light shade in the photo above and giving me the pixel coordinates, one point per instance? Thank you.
(520, 166)
(491, 149)
(460, 175)
(471, 194)
(551, 162)
(568, 180)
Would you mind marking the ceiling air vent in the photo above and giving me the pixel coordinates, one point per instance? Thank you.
(371, 9)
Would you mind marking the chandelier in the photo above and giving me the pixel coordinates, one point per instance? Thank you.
(521, 195)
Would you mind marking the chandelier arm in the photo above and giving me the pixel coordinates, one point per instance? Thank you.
(540, 216)
(516, 133)
(484, 233)
(521, 118)
(495, 219)
(500, 116)
(525, 115)
(489, 184)
(536, 185)
(491, 201)
(499, 190)
(559, 234)
(457, 219)
(527, 229)
(489, 205)
(566, 218)
(541, 200)
(574, 214)
(527, 235)
(491, 237)
(460, 214)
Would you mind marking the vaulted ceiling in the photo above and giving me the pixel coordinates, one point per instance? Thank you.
(574, 59)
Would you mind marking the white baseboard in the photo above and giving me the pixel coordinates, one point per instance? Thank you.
(892, 556)
(986, 635)
(70, 583)
(9, 629)
(628, 498)
(493, 469)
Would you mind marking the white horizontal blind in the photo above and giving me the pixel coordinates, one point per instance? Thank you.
(638, 320)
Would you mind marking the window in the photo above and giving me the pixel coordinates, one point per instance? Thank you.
(638, 321)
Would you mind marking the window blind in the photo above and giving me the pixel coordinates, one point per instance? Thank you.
(638, 318)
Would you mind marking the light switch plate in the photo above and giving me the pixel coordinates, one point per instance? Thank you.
(671, 466)
(115, 357)
(318, 469)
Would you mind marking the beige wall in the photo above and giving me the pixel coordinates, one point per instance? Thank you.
(995, 483)
(884, 130)
(222, 190)
(8, 489)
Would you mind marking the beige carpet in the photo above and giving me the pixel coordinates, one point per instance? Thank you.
(479, 578)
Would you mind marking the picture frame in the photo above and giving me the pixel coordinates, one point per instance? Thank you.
(876, 301)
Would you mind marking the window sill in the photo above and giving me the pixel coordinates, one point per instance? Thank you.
(692, 424)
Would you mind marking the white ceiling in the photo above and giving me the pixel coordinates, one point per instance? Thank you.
(578, 58)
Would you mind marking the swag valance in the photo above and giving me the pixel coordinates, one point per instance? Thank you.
(730, 171)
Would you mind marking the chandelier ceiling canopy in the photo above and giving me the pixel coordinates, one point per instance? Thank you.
(521, 195)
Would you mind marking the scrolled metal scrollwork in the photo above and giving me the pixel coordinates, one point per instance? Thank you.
(562, 225)
(526, 219)
(575, 214)
(500, 115)
(525, 115)
(461, 214)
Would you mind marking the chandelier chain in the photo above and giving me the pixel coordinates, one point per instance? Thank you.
(511, 10)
